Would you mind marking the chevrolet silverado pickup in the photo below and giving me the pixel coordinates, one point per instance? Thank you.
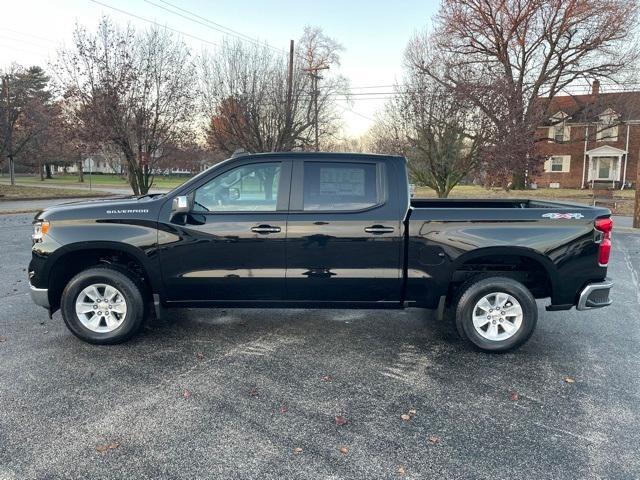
(317, 230)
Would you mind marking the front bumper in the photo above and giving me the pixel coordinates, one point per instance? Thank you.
(40, 296)
(595, 295)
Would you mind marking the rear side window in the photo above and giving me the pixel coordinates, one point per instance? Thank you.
(340, 186)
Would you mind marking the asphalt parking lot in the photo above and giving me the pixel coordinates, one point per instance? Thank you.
(255, 393)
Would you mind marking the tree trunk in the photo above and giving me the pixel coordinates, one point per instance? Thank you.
(41, 168)
(518, 180)
(47, 168)
(80, 171)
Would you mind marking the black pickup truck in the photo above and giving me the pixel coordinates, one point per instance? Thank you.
(317, 230)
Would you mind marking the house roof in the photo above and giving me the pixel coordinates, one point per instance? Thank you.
(587, 108)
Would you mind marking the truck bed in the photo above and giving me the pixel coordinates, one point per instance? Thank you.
(487, 203)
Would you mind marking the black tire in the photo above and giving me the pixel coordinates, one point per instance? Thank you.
(473, 291)
(132, 291)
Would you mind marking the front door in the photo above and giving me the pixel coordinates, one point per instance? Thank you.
(344, 238)
(232, 247)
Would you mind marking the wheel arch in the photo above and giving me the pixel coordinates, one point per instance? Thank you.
(508, 256)
(73, 258)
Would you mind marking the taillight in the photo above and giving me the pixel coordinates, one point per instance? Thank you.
(604, 225)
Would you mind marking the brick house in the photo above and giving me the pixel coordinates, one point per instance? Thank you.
(591, 140)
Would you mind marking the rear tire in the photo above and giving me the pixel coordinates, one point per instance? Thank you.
(103, 305)
(496, 314)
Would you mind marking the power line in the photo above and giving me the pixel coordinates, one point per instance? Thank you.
(28, 34)
(211, 24)
(155, 23)
(7, 37)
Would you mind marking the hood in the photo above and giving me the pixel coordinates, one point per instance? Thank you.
(113, 207)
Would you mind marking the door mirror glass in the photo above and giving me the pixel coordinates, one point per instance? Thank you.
(180, 205)
(234, 194)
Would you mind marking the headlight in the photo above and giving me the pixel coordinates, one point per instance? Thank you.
(40, 230)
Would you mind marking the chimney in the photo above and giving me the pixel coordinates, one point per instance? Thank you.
(595, 88)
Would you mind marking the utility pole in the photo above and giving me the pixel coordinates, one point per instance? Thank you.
(636, 210)
(9, 139)
(289, 112)
(313, 72)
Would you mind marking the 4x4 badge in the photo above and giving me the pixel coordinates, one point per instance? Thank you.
(567, 216)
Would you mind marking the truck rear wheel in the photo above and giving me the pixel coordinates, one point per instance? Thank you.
(103, 305)
(496, 314)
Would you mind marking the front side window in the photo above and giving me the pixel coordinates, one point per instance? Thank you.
(340, 186)
(249, 188)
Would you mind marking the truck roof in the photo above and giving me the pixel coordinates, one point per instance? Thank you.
(332, 155)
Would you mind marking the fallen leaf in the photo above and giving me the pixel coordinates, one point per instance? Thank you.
(327, 378)
(401, 470)
(513, 396)
(569, 380)
(405, 417)
(253, 392)
(186, 393)
(283, 409)
(200, 356)
(412, 411)
(344, 450)
(297, 450)
(107, 447)
(434, 439)
(340, 420)
(3, 339)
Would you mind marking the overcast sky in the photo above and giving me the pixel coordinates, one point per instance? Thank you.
(373, 33)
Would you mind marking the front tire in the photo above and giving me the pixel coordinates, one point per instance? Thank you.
(496, 314)
(103, 305)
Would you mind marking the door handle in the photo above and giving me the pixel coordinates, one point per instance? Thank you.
(378, 229)
(265, 229)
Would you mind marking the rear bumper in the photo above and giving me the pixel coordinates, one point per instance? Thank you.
(40, 296)
(595, 295)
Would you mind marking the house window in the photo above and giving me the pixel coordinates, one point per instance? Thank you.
(558, 164)
(608, 127)
(559, 131)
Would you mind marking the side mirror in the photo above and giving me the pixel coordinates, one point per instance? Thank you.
(180, 207)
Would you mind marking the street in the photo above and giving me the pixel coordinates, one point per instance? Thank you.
(235, 393)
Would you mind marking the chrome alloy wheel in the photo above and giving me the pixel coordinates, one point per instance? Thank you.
(497, 316)
(101, 308)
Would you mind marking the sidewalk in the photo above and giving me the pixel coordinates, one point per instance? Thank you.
(106, 189)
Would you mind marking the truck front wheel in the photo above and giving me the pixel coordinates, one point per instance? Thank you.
(103, 305)
(496, 314)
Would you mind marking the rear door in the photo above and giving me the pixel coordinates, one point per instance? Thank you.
(344, 236)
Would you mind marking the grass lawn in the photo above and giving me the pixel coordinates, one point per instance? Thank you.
(624, 198)
(160, 181)
(21, 192)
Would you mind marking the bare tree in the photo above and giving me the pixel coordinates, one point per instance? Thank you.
(504, 55)
(245, 95)
(442, 134)
(135, 90)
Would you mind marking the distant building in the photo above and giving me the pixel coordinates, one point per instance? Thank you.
(591, 140)
(96, 163)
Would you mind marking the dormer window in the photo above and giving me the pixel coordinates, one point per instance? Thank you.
(608, 126)
(559, 131)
